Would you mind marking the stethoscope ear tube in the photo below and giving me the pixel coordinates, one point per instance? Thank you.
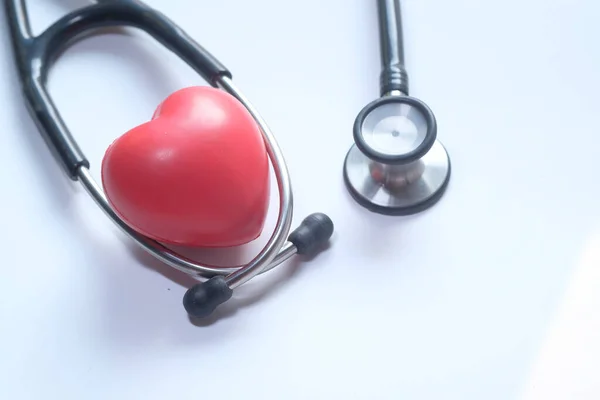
(30, 54)
(34, 56)
(393, 75)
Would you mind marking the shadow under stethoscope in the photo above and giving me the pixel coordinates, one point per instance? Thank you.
(244, 297)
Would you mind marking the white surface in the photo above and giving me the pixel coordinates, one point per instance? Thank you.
(492, 294)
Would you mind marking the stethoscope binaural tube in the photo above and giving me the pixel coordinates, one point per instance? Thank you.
(396, 165)
(34, 56)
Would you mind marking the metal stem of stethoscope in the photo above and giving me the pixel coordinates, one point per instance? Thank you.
(396, 166)
(34, 56)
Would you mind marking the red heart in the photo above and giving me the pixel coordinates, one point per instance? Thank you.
(197, 174)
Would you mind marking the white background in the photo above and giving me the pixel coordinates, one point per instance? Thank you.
(492, 294)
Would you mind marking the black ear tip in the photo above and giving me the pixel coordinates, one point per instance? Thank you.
(201, 300)
(314, 231)
(323, 225)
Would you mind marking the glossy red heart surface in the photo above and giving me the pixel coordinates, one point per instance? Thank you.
(196, 174)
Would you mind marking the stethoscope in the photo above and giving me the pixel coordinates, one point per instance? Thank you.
(396, 165)
(34, 56)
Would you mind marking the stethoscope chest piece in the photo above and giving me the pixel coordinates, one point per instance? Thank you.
(396, 166)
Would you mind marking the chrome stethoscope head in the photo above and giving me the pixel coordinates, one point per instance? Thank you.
(396, 166)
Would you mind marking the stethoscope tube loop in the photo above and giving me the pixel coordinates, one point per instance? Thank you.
(35, 55)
